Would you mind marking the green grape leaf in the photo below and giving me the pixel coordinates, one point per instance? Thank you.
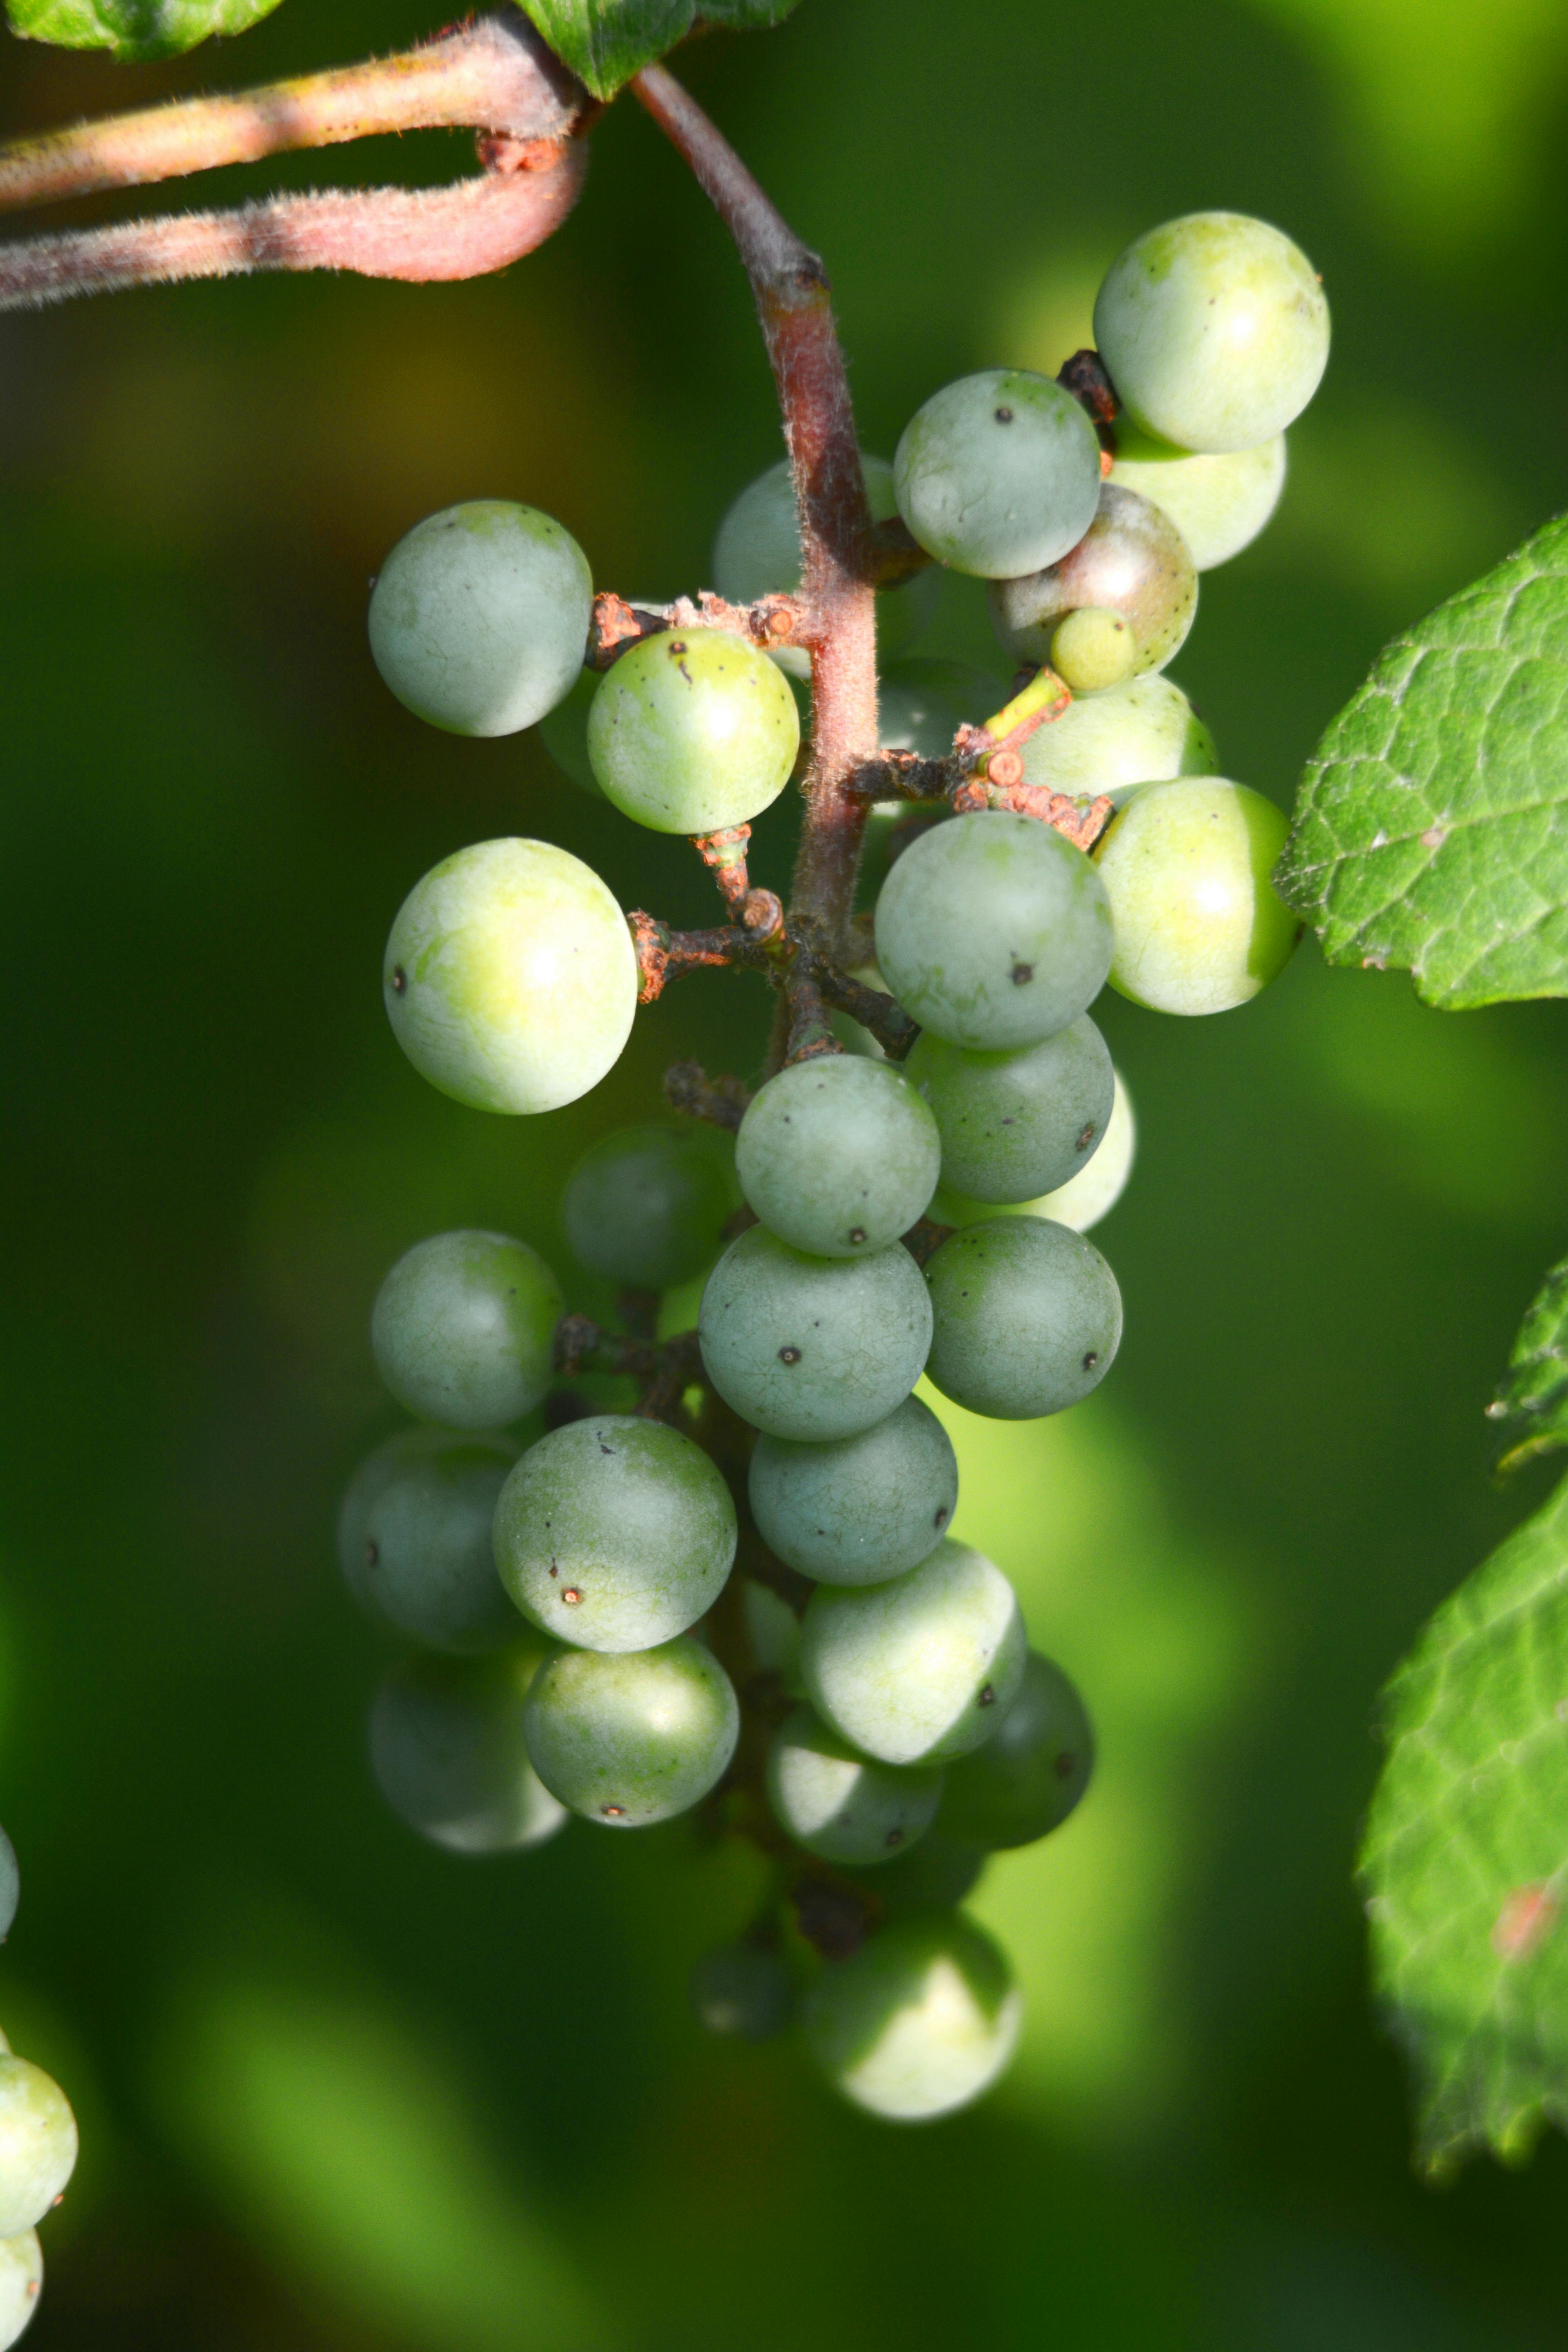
(1465, 1861)
(1431, 831)
(135, 29)
(1532, 1401)
(606, 41)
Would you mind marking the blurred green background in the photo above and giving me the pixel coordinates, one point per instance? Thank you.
(337, 2089)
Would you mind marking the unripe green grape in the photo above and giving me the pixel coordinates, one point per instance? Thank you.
(742, 1991)
(841, 1804)
(857, 1510)
(998, 474)
(1027, 1318)
(1198, 925)
(463, 1327)
(772, 1630)
(1214, 331)
(510, 977)
(933, 1874)
(993, 931)
(614, 1533)
(849, 1032)
(1219, 503)
(1027, 1778)
(921, 1669)
(563, 732)
(1118, 604)
(920, 2022)
(37, 2145)
(631, 1738)
(448, 1751)
(922, 704)
(757, 553)
(693, 730)
(647, 1208)
(21, 2284)
(10, 1886)
(1016, 1125)
(812, 1347)
(479, 619)
(1083, 1200)
(1130, 735)
(838, 1155)
(413, 1538)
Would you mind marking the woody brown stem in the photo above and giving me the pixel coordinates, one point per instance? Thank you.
(721, 1101)
(771, 622)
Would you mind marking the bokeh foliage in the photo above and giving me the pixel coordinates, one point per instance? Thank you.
(338, 2090)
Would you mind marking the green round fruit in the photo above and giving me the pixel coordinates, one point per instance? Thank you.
(647, 1208)
(447, 1751)
(1214, 331)
(634, 1738)
(1117, 605)
(757, 553)
(998, 474)
(21, 2284)
(692, 731)
(563, 732)
(993, 931)
(37, 2145)
(1027, 1778)
(842, 1805)
(1114, 742)
(510, 977)
(480, 617)
(742, 1991)
(1083, 1200)
(812, 1347)
(463, 1327)
(920, 2020)
(1198, 924)
(857, 1510)
(413, 1538)
(1016, 1125)
(933, 1874)
(614, 1533)
(838, 1155)
(921, 1669)
(1027, 1318)
(1219, 503)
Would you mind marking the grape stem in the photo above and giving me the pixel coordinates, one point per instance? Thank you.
(663, 1369)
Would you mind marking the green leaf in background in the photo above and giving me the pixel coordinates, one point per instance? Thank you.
(1431, 832)
(746, 16)
(1465, 1861)
(135, 29)
(1532, 1401)
(606, 41)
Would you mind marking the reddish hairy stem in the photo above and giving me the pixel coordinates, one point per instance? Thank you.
(839, 560)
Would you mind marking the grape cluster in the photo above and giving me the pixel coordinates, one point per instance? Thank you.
(37, 2151)
(721, 1571)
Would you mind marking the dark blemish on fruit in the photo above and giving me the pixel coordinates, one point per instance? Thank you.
(1065, 1765)
(372, 1554)
(399, 980)
(613, 1812)
(605, 1449)
(940, 1515)
(987, 1696)
(857, 1232)
(1004, 416)
(894, 1837)
(1022, 974)
(571, 1596)
(553, 1570)
(1090, 1360)
(1086, 1137)
(789, 1355)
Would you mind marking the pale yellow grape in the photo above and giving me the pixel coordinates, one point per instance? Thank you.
(920, 2022)
(1219, 503)
(692, 731)
(1083, 1200)
(1196, 923)
(1135, 734)
(37, 2145)
(510, 977)
(21, 2282)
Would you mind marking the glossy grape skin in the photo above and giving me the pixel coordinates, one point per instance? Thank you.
(1130, 735)
(757, 553)
(463, 1327)
(1016, 1125)
(921, 705)
(1219, 503)
(812, 1347)
(646, 1208)
(10, 1886)
(838, 1155)
(1083, 1200)
(21, 2284)
(447, 1751)
(37, 2145)
(636, 1739)
(614, 1533)
(841, 1804)
(857, 1510)
(563, 732)
(413, 1538)
(1198, 925)
(742, 1991)
(993, 931)
(1031, 1774)
(510, 978)
(998, 474)
(693, 730)
(1027, 1318)
(1118, 604)
(918, 2022)
(922, 1668)
(479, 619)
(1214, 331)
